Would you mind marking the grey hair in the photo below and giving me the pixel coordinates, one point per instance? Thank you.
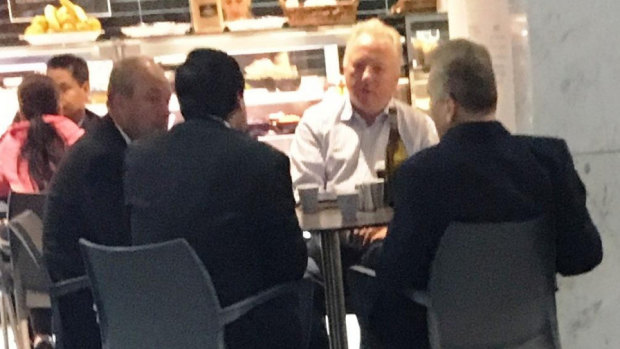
(463, 71)
(377, 29)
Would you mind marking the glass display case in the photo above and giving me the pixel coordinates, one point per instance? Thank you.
(286, 70)
(423, 33)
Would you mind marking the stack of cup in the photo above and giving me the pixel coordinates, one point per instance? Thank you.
(308, 197)
(370, 195)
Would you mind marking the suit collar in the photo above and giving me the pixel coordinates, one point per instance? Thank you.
(211, 121)
(107, 128)
(475, 132)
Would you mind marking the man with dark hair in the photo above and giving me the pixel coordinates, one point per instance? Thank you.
(227, 194)
(478, 173)
(71, 75)
(86, 198)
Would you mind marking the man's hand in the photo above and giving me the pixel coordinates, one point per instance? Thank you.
(371, 234)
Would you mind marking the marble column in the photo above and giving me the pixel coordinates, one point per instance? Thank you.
(575, 76)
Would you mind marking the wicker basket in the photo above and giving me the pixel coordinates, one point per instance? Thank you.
(345, 12)
(405, 6)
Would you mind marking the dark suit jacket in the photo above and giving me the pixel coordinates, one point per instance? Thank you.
(90, 121)
(85, 201)
(480, 173)
(231, 198)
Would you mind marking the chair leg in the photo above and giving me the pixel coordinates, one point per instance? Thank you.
(23, 330)
(4, 319)
(23, 341)
(8, 304)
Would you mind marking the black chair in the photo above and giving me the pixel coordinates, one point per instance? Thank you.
(32, 284)
(161, 296)
(492, 285)
(16, 204)
(20, 202)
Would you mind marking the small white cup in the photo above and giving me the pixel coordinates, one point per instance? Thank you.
(308, 197)
(347, 202)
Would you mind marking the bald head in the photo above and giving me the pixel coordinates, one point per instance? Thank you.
(138, 96)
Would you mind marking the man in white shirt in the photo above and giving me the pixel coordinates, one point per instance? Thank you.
(342, 141)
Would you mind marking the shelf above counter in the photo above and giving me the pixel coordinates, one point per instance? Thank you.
(250, 42)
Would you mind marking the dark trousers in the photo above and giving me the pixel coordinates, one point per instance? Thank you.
(78, 328)
(41, 321)
(387, 319)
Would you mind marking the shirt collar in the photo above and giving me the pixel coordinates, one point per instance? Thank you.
(347, 112)
(125, 136)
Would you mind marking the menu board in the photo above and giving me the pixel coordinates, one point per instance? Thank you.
(24, 10)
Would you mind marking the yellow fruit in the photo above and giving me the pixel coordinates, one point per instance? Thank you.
(34, 29)
(79, 12)
(82, 26)
(68, 27)
(63, 16)
(50, 16)
(40, 20)
(94, 24)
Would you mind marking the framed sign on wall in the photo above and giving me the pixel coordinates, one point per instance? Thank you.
(24, 10)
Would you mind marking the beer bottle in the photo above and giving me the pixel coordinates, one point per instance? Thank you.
(395, 155)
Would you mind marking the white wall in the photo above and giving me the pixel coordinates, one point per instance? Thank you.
(575, 62)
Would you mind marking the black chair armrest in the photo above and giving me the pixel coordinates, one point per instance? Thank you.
(236, 310)
(68, 286)
(363, 270)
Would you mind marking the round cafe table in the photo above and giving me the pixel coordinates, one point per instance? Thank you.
(327, 222)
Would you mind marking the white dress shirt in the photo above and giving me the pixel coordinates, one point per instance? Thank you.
(336, 149)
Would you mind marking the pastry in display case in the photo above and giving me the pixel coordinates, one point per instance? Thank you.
(272, 74)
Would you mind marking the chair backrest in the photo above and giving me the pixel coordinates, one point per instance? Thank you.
(161, 296)
(20, 202)
(153, 296)
(26, 244)
(492, 285)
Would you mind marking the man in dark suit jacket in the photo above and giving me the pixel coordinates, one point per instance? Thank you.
(86, 198)
(72, 77)
(478, 172)
(227, 194)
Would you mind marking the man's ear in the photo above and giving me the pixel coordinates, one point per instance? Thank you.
(86, 87)
(451, 109)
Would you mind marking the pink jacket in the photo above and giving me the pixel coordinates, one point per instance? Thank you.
(14, 174)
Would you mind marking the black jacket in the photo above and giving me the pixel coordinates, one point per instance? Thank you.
(90, 121)
(231, 198)
(481, 173)
(85, 201)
